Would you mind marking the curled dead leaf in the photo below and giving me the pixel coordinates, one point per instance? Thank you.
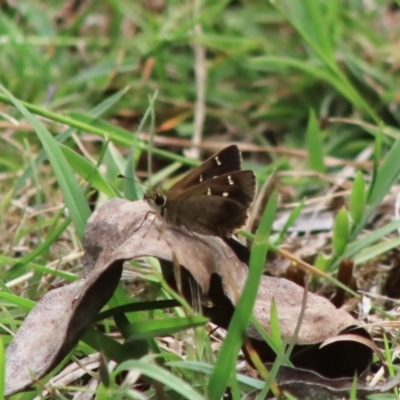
(304, 384)
(121, 230)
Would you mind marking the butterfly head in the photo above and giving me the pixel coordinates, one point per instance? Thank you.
(157, 200)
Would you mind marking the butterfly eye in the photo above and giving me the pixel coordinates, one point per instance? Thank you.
(159, 200)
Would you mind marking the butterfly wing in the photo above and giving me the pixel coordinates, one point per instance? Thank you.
(216, 207)
(225, 161)
(238, 185)
(209, 216)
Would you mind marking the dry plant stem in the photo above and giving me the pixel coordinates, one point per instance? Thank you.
(214, 146)
(293, 340)
(302, 264)
(21, 279)
(53, 265)
(377, 377)
(307, 267)
(147, 69)
(384, 369)
(75, 255)
(348, 170)
(82, 148)
(386, 131)
(296, 153)
(313, 174)
(260, 367)
(317, 200)
(47, 210)
(384, 324)
(8, 137)
(200, 71)
(77, 369)
(12, 123)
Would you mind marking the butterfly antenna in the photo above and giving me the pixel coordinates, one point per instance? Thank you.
(120, 176)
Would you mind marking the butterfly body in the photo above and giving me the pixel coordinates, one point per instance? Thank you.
(213, 199)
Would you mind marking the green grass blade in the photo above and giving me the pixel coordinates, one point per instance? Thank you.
(89, 172)
(161, 375)
(340, 232)
(108, 103)
(132, 188)
(356, 246)
(269, 340)
(73, 196)
(290, 221)
(386, 176)
(61, 138)
(101, 128)
(2, 368)
(305, 16)
(40, 268)
(107, 345)
(21, 302)
(207, 369)
(136, 307)
(16, 269)
(148, 329)
(244, 309)
(275, 328)
(309, 18)
(357, 200)
(353, 391)
(376, 250)
(314, 144)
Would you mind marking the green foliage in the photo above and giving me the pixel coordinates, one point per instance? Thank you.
(353, 393)
(275, 330)
(340, 232)
(291, 220)
(73, 196)
(2, 367)
(357, 199)
(241, 318)
(314, 144)
(152, 370)
(76, 114)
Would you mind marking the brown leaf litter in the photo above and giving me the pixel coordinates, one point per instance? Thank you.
(115, 233)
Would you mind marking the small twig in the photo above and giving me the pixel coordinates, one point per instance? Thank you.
(295, 153)
(200, 73)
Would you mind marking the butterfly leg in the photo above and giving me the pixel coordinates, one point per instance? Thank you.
(164, 224)
(159, 229)
(144, 219)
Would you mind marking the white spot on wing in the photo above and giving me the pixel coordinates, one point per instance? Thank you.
(230, 181)
(217, 160)
(225, 194)
(201, 178)
(209, 192)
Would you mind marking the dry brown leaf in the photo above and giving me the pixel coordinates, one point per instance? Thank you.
(54, 326)
(305, 384)
(120, 231)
